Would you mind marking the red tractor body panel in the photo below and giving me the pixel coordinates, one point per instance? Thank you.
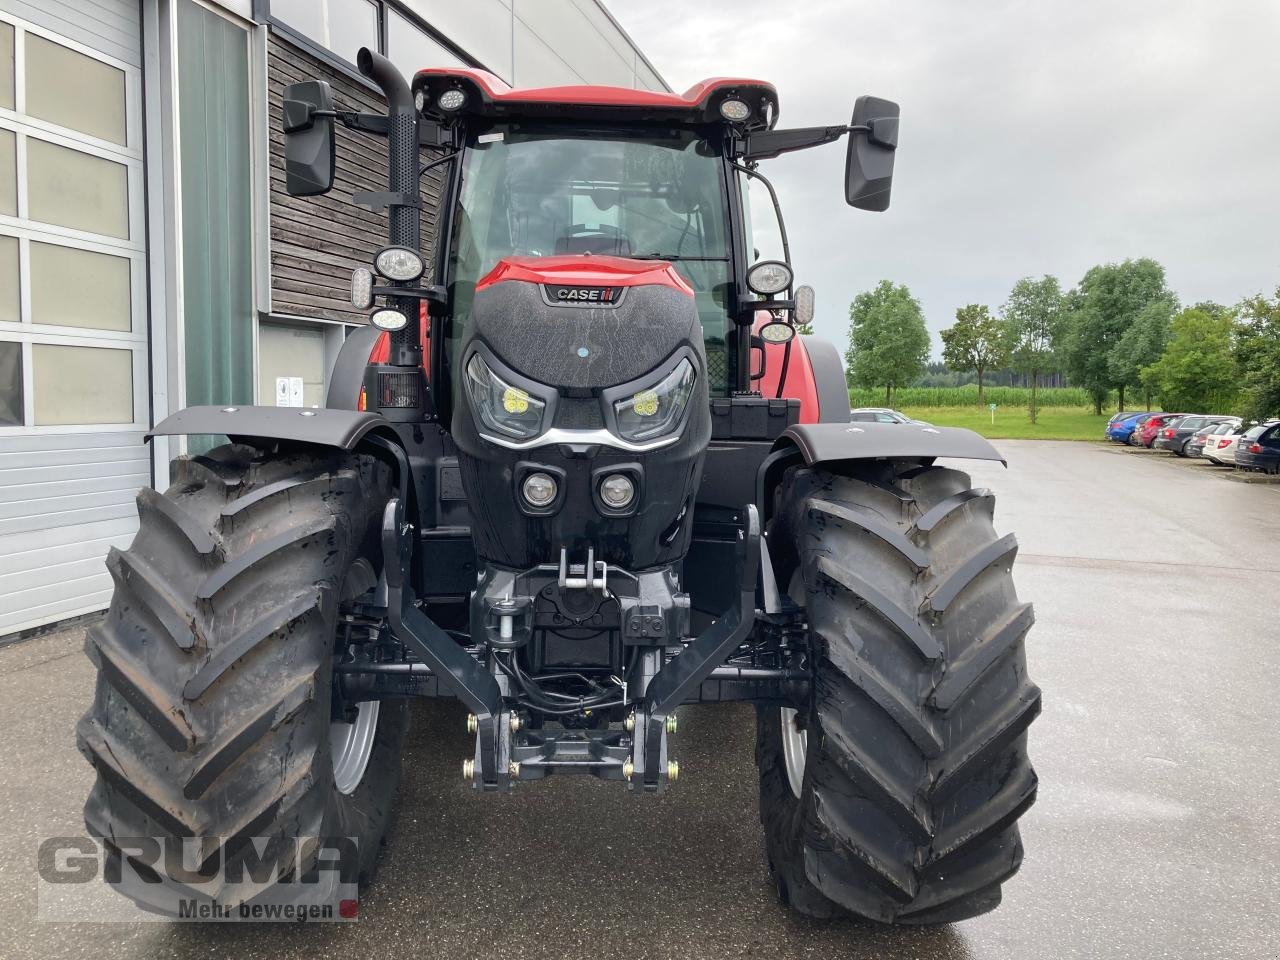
(490, 96)
(801, 383)
(585, 271)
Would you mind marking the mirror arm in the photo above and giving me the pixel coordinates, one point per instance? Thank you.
(429, 134)
(768, 144)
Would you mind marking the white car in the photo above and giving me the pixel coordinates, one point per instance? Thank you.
(1221, 448)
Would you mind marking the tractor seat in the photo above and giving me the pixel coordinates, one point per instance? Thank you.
(583, 240)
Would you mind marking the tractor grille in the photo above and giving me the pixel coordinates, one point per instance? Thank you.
(398, 389)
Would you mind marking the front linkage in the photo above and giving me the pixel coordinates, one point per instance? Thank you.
(671, 668)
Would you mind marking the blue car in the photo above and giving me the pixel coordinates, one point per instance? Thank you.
(1121, 426)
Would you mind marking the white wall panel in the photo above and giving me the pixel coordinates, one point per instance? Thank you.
(113, 27)
(65, 499)
(571, 37)
(481, 27)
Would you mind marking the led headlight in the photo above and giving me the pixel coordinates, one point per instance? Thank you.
(539, 490)
(500, 406)
(362, 288)
(452, 100)
(734, 110)
(657, 410)
(398, 263)
(778, 331)
(617, 491)
(389, 320)
(769, 277)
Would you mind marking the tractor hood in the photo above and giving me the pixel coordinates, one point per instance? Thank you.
(584, 322)
(579, 368)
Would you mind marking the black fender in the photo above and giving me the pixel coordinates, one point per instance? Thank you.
(828, 379)
(831, 443)
(347, 376)
(343, 429)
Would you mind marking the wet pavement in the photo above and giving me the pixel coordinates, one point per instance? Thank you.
(1156, 834)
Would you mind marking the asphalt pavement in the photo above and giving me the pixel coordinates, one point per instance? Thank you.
(1156, 834)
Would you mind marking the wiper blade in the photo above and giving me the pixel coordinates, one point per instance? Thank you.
(669, 256)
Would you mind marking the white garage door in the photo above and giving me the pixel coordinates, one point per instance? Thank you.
(73, 327)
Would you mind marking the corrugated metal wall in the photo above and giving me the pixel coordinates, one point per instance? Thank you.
(64, 500)
(112, 27)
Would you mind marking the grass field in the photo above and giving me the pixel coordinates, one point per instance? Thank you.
(968, 397)
(1054, 423)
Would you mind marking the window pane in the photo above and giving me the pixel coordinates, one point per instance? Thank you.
(79, 288)
(217, 221)
(290, 365)
(73, 189)
(8, 174)
(344, 26)
(352, 24)
(10, 384)
(9, 280)
(305, 16)
(6, 65)
(72, 90)
(411, 50)
(81, 384)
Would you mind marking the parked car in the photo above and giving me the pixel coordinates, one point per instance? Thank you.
(1175, 435)
(1196, 446)
(1120, 427)
(1221, 449)
(1259, 448)
(1161, 440)
(881, 415)
(1135, 435)
(1147, 435)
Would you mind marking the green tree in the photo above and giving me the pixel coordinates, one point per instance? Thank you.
(1032, 318)
(1258, 355)
(1142, 344)
(977, 342)
(1106, 303)
(888, 341)
(804, 329)
(1197, 370)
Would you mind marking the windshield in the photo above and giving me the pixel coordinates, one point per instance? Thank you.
(541, 191)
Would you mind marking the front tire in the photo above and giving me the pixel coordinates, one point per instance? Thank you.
(916, 768)
(214, 715)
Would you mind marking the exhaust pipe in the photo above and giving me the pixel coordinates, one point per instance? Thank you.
(404, 218)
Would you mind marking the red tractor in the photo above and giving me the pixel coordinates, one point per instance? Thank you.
(590, 474)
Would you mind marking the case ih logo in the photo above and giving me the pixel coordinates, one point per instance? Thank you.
(584, 294)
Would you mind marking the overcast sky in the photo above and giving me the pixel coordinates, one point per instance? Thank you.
(1037, 137)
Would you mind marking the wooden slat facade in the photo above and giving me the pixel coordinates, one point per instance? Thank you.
(317, 241)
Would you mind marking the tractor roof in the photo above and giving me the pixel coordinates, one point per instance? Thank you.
(489, 96)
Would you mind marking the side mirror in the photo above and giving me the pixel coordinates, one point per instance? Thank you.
(868, 170)
(308, 138)
(803, 312)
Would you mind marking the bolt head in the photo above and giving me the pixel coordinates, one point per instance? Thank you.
(628, 768)
(629, 724)
(673, 770)
(468, 770)
(672, 723)
(516, 723)
(473, 723)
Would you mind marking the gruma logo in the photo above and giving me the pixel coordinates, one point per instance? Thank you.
(251, 879)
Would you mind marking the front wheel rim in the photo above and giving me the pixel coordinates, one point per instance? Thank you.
(351, 745)
(795, 748)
